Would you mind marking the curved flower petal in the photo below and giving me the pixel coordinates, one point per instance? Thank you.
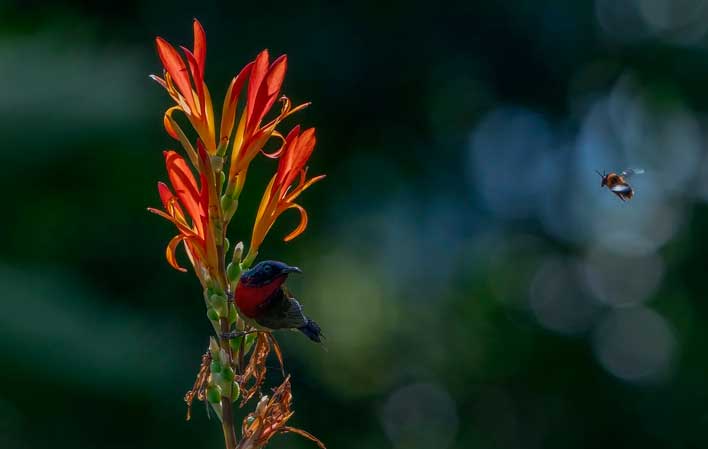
(170, 252)
(167, 121)
(277, 153)
(302, 187)
(301, 226)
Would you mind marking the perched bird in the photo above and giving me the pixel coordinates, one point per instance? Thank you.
(618, 183)
(266, 304)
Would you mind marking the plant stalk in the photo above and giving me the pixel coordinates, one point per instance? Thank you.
(227, 421)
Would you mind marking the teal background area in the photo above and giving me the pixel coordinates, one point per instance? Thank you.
(477, 287)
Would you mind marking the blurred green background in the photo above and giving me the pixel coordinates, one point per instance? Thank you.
(477, 287)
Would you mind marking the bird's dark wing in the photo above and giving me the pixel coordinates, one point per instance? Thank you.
(281, 311)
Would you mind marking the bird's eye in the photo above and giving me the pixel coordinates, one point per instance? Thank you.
(267, 268)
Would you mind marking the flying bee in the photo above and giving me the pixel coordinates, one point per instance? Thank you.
(617, 183)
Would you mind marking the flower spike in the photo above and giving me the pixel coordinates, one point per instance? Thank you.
(280, 194)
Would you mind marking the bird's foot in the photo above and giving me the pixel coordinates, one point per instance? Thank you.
(236, 334)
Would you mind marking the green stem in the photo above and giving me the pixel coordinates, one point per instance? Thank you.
(227, 418)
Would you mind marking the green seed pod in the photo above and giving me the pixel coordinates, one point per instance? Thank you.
(213, 394)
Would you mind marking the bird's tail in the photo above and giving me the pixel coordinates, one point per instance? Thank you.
(312, 331)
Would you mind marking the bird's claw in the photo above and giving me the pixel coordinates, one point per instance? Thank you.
(236, 334)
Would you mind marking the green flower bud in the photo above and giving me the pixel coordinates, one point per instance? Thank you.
(235, 343)
(215, 367)
(223, 357)
(223, 146)
(227, 204)
(238, 252)
(213, 287)
(214, 347)
(250, 339)
(211, 314)
(233, 272)
(227, 374)
(217, 163)
(219, 303)
(233, 314)
(213, 394)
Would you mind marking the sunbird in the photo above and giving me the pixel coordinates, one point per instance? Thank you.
(266, 304)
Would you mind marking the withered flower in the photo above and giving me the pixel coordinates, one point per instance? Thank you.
(270, 418)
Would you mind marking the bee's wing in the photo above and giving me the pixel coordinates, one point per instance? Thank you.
(621, 188)
(631, 172)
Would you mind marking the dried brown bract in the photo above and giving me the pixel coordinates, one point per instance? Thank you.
(269, 419)
(200, 383)
(256, 369)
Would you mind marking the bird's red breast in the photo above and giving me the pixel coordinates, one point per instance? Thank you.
(250, 298)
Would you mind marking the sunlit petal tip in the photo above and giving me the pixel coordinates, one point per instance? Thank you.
(199, 44)
(315, 179)
(158, 80)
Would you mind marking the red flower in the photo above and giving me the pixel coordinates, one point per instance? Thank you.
(185, 84)
(190, 93)
(280, 195)
(193, 226)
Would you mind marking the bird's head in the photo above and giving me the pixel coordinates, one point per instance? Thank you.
(267, 272)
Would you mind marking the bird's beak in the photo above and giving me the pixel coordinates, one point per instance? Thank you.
(292, 270)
